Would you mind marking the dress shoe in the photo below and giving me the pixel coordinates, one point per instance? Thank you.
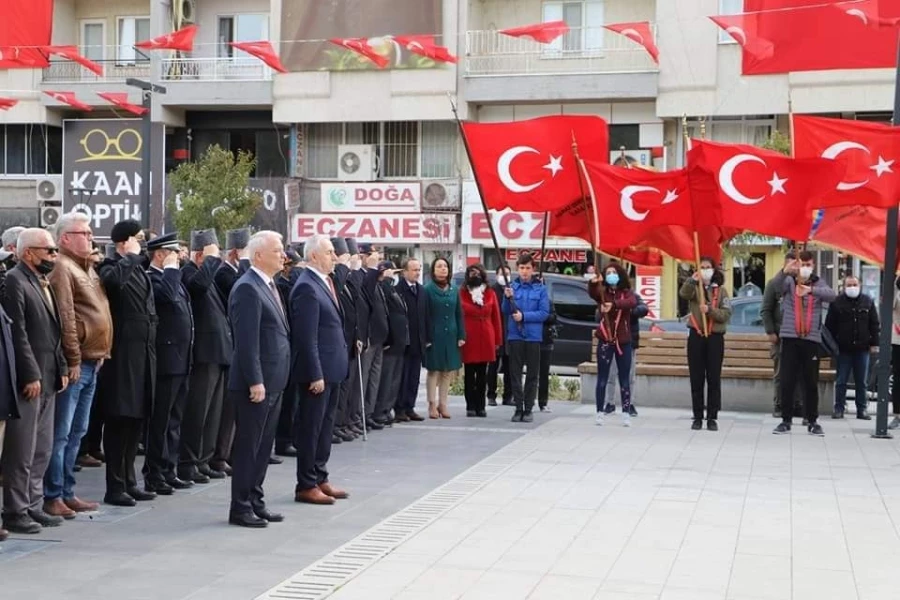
(336, 439)
(313, 496)
(492, 402)
(98, 454)
(21, 524)
(224, 467)
(77, 468)
(345, 436)
(385, 423)
(269, 515)
(373, 426)
(862, 415)
(3, 535)
(160, 487)
(210, 472)
(527, 417)
(180, 484)
(401, 418)
(79, 505)
(58, 508)
(712, 425)
(196, 477)
(508, 402)
(274, 460)
(247, 520)
(480, 413)
(119, 499)
(332, 491)
(140, 495)
(414, 416)
(697, 424)
(287, 450)
(43, 519)
(517, 416)
(86, 460)
(470, 413)
(356, 429)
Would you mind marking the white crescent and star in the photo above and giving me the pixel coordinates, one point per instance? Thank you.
(504, 163)
(633, 35)
(626, 201)
(881, 167)
(735, 32)
(726, 180)
(855, 12)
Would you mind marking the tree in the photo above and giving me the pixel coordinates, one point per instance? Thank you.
(213, 192)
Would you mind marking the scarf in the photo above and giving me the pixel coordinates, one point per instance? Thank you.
(477, 294)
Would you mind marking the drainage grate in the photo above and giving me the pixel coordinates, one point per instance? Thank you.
(324, 577)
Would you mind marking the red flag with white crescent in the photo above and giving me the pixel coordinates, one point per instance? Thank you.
(420, 45)
(362, 47)
(540, 32)
(263, 51)
(120, 99)
(638, 32)
(68, 98)
(182, 40)
(71, 53)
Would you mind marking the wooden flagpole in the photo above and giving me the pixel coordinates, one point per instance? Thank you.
(701, 291)
(595, 222)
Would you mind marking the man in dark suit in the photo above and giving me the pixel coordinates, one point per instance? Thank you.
(235, 263)
(413, 295)
(356, 417)
(395, 347)
(258, 377)
(379, 330)
(127, 381)
(9, 407)
(284, 436)
(174, 344)
(41, 372)
(320, 364)
(346, 411)
(200, 429)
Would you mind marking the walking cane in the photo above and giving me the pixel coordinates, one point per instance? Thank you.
(362, 397)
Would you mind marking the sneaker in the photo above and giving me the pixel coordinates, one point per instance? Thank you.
(632, 411)
(43, 519)
(862, 415)
(712, 425)
(599, 419)
(838, 413)
(517, 417)
(626, 420)
(528, 417)
(697, 425)
(815, 429)
(610, 408)
(782, 428)
(546, 409)
(895, 422)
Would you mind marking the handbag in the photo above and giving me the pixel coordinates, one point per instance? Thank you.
(828, 347)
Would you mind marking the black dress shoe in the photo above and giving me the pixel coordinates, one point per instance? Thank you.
(372, 425)
(385, 422)
(224, 467)
(77, 468)
(43, 519)
(335, 439)
(492, 402)
(274, 460)
(210, 472)
(247, 520)
(198, 477)
(269, 515)
(480, 413)
(287, 450)
(119, 499)
(470, 413)
(356, 429)
(141, 451)
(180, 484)
(140, 495)
(21, 524)
(160, 487)
(345, 435)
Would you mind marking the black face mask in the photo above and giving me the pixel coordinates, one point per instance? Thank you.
(475, 281)
(182, 262)
(45, 267)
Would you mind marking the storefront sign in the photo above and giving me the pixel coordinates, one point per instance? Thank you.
(371, 197)
(562, 255)
(378, 229)
(649, 288)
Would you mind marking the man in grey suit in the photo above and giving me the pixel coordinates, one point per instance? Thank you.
(41, 373)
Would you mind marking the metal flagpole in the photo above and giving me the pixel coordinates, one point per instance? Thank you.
(362, 396)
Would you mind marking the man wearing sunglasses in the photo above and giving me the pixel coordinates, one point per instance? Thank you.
(41, 368)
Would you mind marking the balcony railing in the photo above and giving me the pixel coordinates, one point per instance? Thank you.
(580, 51)
(63, 71)
(214, 69)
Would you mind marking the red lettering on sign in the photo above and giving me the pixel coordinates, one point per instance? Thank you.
(538, 231)
(509, 226)
(390, 228)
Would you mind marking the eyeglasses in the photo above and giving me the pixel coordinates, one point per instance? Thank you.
(88, 234)
(48, 249)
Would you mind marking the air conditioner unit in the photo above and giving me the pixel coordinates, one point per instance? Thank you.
(50, 212)
(442, 194)
(49, 189)
(357, 162)
(185, 12)
(643, 157)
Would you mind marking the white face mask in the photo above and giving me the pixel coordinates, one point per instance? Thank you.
(706, 274)
(852, 292)
(501, 279)
(805, 272)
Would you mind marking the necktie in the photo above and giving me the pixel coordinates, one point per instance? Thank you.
(277, 297)
(331, 287)
(45, 286)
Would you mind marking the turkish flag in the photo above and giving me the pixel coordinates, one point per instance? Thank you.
(25, 26)
(869, 12)
(263, 51)
(541, 32)
(857, 230)
(7, 103)
(120, 99)
(182, 40)
(678, 242)
(418, 44)
(68, 98)
(868, 152)
(71, 53)
(638, 32)
(362, 47)
(529, 165)
(744, 29)
(733, 185)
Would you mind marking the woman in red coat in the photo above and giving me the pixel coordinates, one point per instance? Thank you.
(484, 333)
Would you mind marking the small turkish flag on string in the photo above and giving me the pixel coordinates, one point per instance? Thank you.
(7, 103)
(120, 99)
(868, 152)
(71, 53)
(640, 33)
(869, 12)
(263, 51)
(528, 165)
(362, 47)
(421, 46)
(744, 29)
(70, 99)
(541, 32)
(182, 40)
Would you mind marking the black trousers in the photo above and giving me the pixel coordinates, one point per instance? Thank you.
(121, 437)
(225, 437)
(254, 434)
(544, 375)
(475, 386)
(349, 411)
(409, 389)
(705, 356)
(895, 369)
(391, 384)
(200, 426)
(800, 366)
(164, 429)
(313, 429)
(92, 441)
(501, 365)
(524, 357)
(284, 434)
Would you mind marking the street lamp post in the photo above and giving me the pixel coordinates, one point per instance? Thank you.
(147, 90)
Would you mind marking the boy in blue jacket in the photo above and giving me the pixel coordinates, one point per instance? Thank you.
(526, 306)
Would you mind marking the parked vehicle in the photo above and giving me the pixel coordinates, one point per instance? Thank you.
(745, 318)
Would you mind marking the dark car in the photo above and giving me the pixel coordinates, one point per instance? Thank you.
(745, 318)
(575, 316)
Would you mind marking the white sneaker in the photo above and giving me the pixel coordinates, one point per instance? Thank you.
(626, 419)
(599, 420)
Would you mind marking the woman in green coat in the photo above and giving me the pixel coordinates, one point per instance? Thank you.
(448, 334)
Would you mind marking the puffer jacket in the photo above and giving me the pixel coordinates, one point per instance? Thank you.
(532, 301)
(85, 318)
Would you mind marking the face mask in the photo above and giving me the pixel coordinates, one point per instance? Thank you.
(45, 266)
(805, 272)
(706, 274)
(612, 279)
(852, 292)
(475, 280)
(501, 279)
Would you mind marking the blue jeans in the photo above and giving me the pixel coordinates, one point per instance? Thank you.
(73, 410)
(606, 354)
(858, 364)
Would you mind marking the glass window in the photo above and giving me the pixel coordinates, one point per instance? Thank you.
(2, 150)
(400, 154)
(321, 149)
(131, 30)
(54, 150)
(729, 7)
(93, 37)
(37, 150)
(15, 150)
(585, 20)
(439, 146)
(573, 302)
(273, 151)
(241, 28)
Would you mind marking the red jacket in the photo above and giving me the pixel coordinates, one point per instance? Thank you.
(615, 326)
(484, 330)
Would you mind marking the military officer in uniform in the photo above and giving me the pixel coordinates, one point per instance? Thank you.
(341, 276)
(235, 263)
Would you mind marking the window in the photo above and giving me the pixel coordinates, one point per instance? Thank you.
(399, 157)
(573, 302)
(440, 144)
(585, 21)
(130, 31)
(30, 150)
(93, 38)
(752, 130)
(241, 28)
(729, 7)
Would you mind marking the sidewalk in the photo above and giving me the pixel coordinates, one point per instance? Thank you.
(572, 511)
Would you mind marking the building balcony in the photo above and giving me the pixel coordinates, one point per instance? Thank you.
(216, 82)
(64, 71)
(214, 69)
(584, 64)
